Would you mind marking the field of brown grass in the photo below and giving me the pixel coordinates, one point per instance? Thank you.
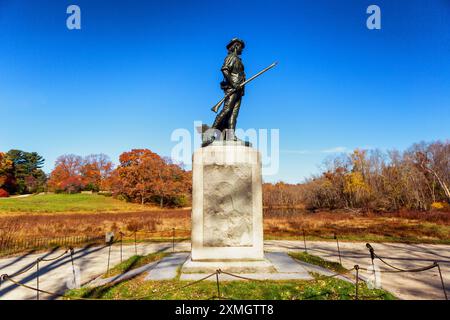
(433, 227)
(405, 226)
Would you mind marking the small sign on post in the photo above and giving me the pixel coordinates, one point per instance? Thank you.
(109, 237)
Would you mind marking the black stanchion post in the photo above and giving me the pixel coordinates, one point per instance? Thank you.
(304, 240)
(372, 257)
(135, 245)
(339, 250)
(218, 285)
(121, 236)
(109, 256)
(37, 279)
(442, 280)
(372, 252)
(356, 281)
(73, 267)
(173, 239)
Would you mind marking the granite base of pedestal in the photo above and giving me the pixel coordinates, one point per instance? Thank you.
(227, 220)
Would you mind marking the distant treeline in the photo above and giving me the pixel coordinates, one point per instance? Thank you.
(142, 176)
(20, 172)
(371, 180)
(368, 180)
(283, 195)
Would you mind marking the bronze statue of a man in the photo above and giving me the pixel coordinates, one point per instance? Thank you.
(234, 77)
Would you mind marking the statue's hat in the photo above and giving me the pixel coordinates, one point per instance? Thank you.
(233, 41)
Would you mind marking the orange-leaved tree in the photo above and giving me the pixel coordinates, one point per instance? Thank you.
(94, 169)
(146, 177)
(7, 179)
(66, 176)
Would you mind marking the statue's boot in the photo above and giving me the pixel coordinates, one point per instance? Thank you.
(231, 136)
(207, 138)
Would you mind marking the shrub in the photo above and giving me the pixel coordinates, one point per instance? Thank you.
(92, 187)
(123, 197)
(72, 184)
(440, 206)
(3, 193)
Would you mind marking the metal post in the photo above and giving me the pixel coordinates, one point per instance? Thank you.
(356, 281)
(372, 257)
(173, 239)
(109, 256)
(339, 250)
(304, 241)
(218, 286)
(73, 268)
(442, 281)
(37, 279)
(121, 235)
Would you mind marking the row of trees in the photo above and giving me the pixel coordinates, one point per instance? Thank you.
(142, 176)
(20, 172)
(418, 178)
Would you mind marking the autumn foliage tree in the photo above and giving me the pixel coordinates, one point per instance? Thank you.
(20, 172)
(94, 169)
(282, 194)
(66, 176)
(7, 179)
(144, 177)
(73, 173)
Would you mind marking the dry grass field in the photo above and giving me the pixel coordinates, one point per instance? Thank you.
(393, 227)
(92, 215)
(418, 227)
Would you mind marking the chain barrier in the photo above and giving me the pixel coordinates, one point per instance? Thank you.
(334, 236)
(435, 264)
(135, 232)
(179, 288)
(219, 296)
(36, 263)
(134, 235)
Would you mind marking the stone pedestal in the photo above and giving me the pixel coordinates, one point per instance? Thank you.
(227, 221)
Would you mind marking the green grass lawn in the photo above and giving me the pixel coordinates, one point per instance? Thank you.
(318, 261)
(53, 203)
(316, 289)
(329, 289)
(133, 263)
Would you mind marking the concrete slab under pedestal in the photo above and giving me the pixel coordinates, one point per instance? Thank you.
(256, 266)
(276, 266)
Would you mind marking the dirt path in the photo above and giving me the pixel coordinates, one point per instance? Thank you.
(93, 261)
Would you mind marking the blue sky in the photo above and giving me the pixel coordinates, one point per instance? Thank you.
(137, 70)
